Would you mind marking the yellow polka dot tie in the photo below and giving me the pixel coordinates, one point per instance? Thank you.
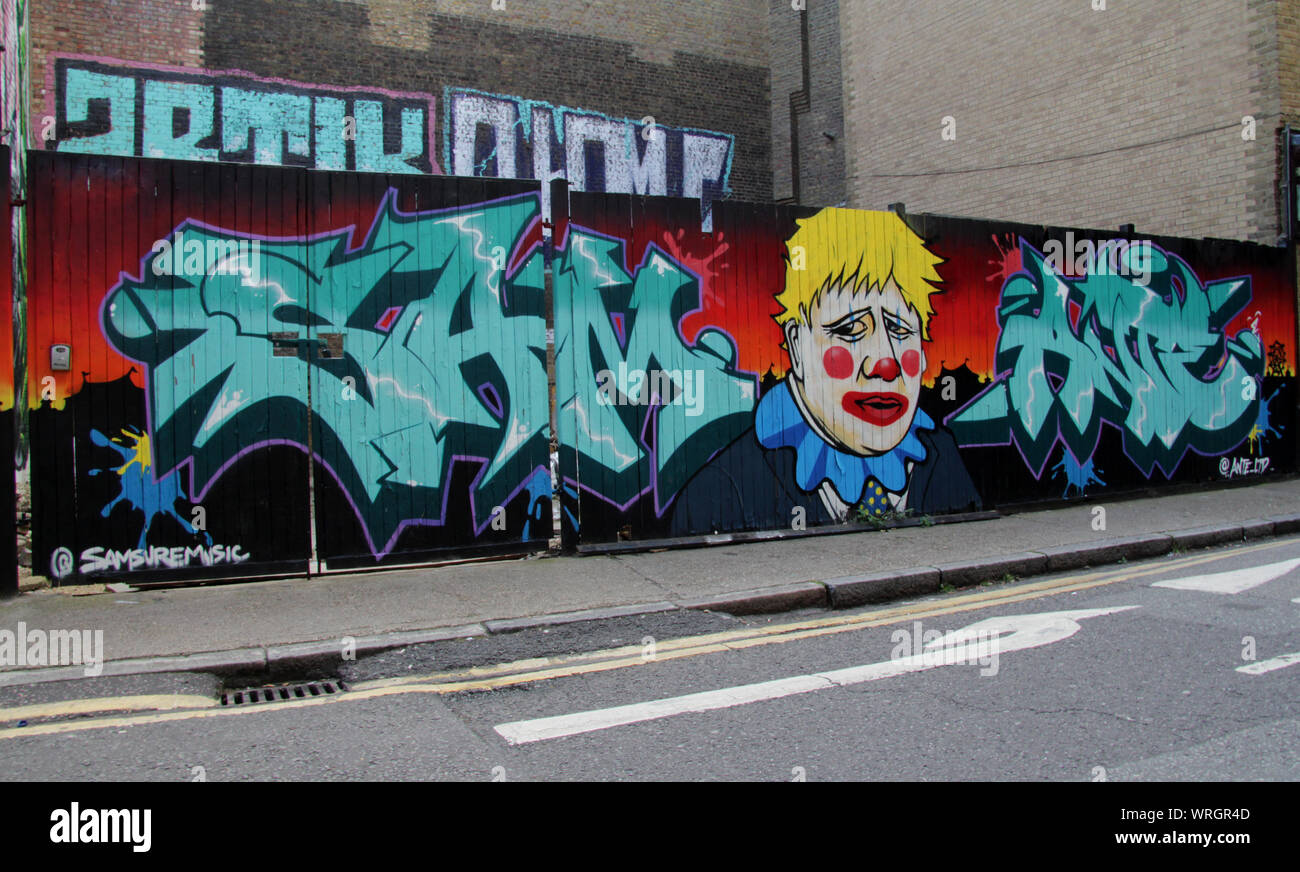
(875, 502)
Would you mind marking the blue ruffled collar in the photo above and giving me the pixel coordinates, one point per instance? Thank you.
(778, 423)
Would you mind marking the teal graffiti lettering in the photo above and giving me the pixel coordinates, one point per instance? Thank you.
(630, 416)
(444, 352)
(274, 127)
(236, 118)
(115, 93)
(1151, 358)
(370, 139)
(173, 102)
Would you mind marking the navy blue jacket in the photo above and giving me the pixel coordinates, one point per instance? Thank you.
(749, 487)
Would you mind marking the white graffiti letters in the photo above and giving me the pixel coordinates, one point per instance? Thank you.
(156, 557)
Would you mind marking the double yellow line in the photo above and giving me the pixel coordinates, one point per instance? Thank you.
(164, 708)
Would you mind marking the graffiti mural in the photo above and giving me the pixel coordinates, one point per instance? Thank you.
(412, 361)
(268, 369)
(510, 137)
(14, 121)
(866, 365)
(11, 447)
(105, 106)
(1150, 357)
(115, 108)
(141, 490)
(843, 434)
(375, 352)
(655, 400)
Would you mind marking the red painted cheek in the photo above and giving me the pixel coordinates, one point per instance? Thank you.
(837, 362)
(911, 362)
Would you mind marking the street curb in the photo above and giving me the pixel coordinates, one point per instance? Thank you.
(245, 660)
(514, 625)
(762, 601)
(1283, 524)
(239, 659)
(332, 650)
(1204, 537)
(878, 587)
(835, 593)
(1259, 529)
(992, 569)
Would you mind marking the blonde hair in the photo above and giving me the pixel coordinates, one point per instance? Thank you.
(856, 249)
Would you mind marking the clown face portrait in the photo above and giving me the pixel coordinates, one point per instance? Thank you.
(843, 434)
(856, 320)
(856, 367)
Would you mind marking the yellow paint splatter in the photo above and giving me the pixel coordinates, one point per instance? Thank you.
(143, 454)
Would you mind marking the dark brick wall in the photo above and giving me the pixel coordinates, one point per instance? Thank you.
(164, 32)
(821, 158)
(292, 39)
(703, 66)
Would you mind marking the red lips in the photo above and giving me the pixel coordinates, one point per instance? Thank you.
(880, 409)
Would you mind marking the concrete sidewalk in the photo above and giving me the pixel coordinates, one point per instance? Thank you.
(250, 625)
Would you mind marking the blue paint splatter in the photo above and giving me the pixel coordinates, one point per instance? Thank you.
(1263, 424)
(1077, 475)
(139, 490)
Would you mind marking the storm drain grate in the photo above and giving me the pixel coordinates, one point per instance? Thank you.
(282, 692)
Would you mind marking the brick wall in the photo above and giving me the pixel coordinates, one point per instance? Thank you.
(699, 65)
(1068, 115)
(821, 157)
(720, 29)
(144, 31)
(1287, 59)
(1288, 33)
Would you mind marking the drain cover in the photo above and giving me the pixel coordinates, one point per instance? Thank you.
(282, 692)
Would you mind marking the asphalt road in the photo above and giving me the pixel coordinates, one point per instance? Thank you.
(1173, 669)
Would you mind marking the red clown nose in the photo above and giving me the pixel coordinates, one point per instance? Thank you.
(886, 368)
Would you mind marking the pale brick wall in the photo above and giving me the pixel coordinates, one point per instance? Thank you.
(1157, 89)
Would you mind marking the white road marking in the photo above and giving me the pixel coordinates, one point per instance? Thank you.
(1269, 665)
(987, 638)
(1234, 581)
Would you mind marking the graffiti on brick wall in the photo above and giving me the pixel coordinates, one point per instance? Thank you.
(102, 106)
(145, 111)
(510, 137)
(14, 122)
